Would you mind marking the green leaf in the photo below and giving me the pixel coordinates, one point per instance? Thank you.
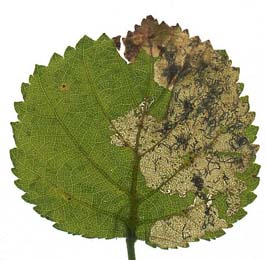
(251, 133)
(64, 158)
(158, 150)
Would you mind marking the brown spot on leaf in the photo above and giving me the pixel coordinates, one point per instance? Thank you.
(64, 87)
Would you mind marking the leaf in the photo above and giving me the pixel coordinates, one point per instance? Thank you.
(159, 149)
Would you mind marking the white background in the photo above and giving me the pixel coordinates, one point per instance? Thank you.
(30, 31)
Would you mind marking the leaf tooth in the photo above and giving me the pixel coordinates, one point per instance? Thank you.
(105, 42)
(248, 198)
(85, 40)
(255, 147)
(256, 168)
(186, 31)
(103, 38)
(19, 183)
(15, 172)
(237, 70)
(255, 183)
(19, 107)
(252, 171)
(24, 89)
(55, 59)
(244, 100)
(39, 69)
(240, 87)
(252, 116)
(31, 78)
(223, 53)
(13, 152)
(16, 126)
(69, 52)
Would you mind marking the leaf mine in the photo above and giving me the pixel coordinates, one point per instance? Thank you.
(179, 230)
(159, 148)
(200, 144)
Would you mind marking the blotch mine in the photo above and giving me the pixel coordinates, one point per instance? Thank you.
(200, 145)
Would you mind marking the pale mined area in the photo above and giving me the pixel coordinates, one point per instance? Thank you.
(182, 229)
(200, 145)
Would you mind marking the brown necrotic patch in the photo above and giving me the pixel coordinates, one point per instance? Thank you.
(200, 145)
(179, 53)
(150, 36)
(117, 41)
